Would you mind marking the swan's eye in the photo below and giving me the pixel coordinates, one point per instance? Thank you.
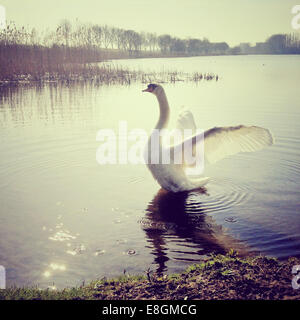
(152, 86)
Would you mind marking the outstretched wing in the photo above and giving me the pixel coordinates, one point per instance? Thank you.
(226, 141)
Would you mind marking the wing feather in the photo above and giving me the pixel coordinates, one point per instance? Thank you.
(221, 142)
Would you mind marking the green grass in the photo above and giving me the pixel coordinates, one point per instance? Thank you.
(219, 277)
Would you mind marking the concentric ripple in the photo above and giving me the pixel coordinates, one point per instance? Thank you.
(222, 194)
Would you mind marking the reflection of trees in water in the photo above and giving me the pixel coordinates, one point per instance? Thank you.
(172, 218)
(48, 102)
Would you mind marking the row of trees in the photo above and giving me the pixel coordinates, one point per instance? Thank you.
(168, 44)
(105, 37)
(37, 52)
(276, 44)
(94, 36)
(284, 44)
(79, 35)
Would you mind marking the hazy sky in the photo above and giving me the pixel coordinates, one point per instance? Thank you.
(233, 21)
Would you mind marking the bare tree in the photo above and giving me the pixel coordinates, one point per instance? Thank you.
(164, 43)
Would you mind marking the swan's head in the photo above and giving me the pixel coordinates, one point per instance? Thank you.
(156, 89)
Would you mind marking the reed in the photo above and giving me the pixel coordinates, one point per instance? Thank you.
(24, 57)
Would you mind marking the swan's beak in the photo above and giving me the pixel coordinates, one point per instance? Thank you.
(147, 90)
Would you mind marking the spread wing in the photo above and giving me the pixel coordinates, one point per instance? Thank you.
(226, 141)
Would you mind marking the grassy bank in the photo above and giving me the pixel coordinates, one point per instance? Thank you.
(220, 277)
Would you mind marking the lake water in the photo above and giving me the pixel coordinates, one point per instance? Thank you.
(66, 219)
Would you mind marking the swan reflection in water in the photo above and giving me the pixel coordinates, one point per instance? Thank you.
(177, 228)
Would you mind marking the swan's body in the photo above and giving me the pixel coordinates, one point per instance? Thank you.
(218, 143)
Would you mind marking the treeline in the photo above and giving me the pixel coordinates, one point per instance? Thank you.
(71, 48)
(71, 53)
(95, 36)
(276, 44)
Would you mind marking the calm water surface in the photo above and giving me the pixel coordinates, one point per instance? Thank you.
(66, 219)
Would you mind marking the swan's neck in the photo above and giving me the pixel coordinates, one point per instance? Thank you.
(164, 111)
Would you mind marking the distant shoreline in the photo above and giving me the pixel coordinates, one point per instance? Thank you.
(105, 74)
(99, 72)
(67, 51)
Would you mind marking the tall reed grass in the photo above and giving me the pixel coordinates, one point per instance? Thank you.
(23, 58)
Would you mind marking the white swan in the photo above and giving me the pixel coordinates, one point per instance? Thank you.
(218, 143)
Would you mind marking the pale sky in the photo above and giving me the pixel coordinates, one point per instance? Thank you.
(233, 21)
